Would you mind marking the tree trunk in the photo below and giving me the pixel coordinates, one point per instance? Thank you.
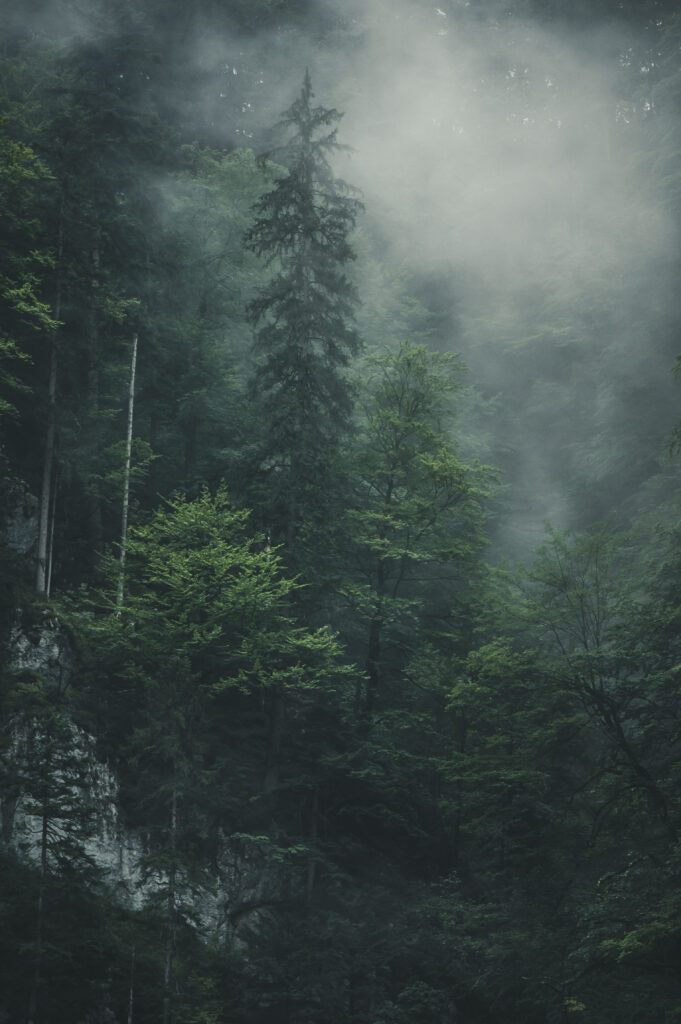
(50, 545)
(48, 469)
(126, 478)
(48, 465)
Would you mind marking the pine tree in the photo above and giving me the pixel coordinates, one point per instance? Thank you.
(304, 317)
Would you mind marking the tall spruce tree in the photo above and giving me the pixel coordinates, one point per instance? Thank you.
(304, 320)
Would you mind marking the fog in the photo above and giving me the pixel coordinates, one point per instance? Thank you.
(507, 181)
(508, 161)
(505, 170)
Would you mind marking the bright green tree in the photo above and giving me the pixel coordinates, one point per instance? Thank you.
(189, 664)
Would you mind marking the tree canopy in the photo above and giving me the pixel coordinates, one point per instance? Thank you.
(324, 732)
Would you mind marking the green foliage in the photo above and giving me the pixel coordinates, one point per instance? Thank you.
(416, 518)
(456, 796)
(188, 666)
(205, 619)
(304, 318)
(24, 264)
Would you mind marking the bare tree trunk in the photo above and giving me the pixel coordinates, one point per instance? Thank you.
(41, 584)
(48, 468)
(50, 545)
(126, 480)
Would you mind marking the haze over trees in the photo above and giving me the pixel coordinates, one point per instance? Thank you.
(310, 318)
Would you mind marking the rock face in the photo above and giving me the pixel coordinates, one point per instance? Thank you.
(242, 886)
(44, 651)
(115, 850)
(21, 528)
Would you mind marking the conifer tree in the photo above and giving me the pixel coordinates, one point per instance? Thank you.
(304, 316)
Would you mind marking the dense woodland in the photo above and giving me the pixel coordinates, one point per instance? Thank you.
(275, 467)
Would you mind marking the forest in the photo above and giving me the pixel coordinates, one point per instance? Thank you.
(340, 512)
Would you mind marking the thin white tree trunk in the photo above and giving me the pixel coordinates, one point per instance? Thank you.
(126, 481)
(41, 584)
(50, 544)
(48, 465)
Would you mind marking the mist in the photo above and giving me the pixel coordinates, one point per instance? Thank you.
(504, 167)
(303, 714)
(504, 159)
(505, 170)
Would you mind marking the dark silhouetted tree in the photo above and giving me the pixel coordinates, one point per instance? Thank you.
(304, 318)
